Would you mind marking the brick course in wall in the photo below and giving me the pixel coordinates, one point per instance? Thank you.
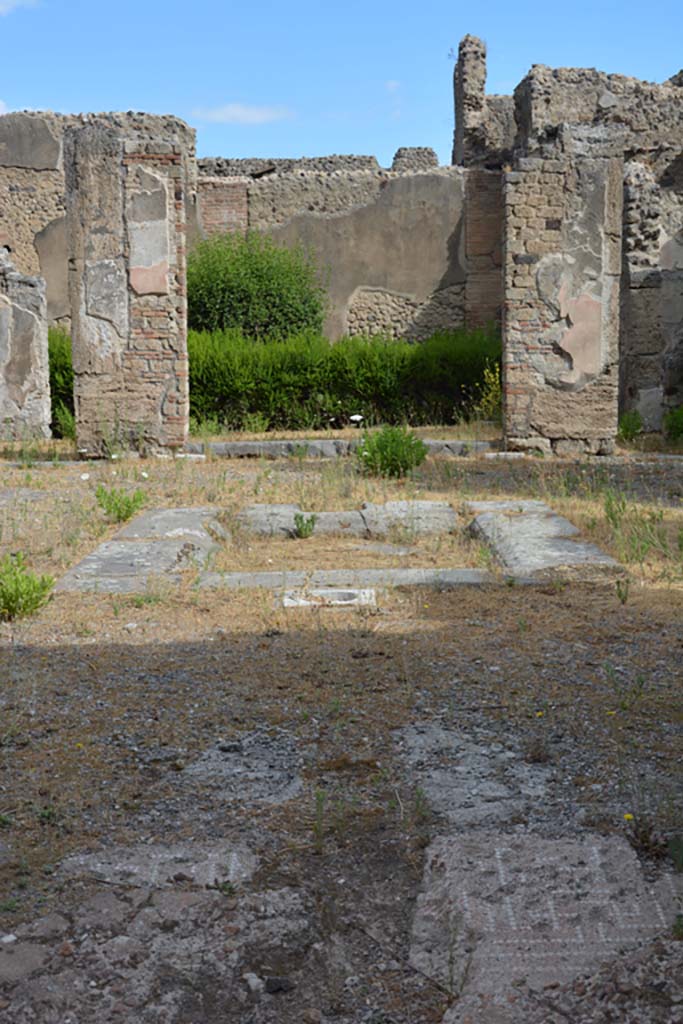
(483, 247)
(222, 205)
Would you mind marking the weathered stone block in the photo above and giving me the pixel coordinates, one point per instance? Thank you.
(24, 373)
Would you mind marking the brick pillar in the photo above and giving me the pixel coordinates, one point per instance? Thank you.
(126, 231)
(483, 247)
(562, 264)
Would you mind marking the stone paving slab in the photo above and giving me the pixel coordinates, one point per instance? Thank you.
(418, 517)
(497, 909)
(290, 580)
(173, 523)
(371, 520)
(258, 767)
(202, 864)
(159, 543)
(529, 538)
(120, 566)
(470, 783)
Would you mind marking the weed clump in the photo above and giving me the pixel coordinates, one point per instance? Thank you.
(22, 592)
(117, 504)
(304, 525)
(630, 426)
(391, 451)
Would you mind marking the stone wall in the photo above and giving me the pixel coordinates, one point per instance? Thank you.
(392, 244)
(483, 247)
(648, 116)
(562, 259)
(24, 375)
(484, 125)
(126, 235)
(652, 296)
(32, 189)
(396, 263)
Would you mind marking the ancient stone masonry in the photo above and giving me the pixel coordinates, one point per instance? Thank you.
(568, 276)
(126, 235)
(391, 242)
(562, 252)
(24, 376)
(484, 125)
(32, 190)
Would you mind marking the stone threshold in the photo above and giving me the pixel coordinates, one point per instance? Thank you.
(319, 448)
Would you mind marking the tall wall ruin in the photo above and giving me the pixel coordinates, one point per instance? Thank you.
(126, 235)
(592, 309)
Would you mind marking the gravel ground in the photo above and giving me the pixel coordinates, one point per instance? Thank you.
(213, 809)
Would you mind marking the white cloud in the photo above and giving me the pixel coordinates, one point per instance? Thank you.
(241, 113)
(3, 107)
(7, 6)
(392, 85)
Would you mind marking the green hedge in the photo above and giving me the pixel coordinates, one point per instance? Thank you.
(307, 383)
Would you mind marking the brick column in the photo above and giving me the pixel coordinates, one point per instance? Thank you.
(126, 230)
(483, 247)
(562, 265)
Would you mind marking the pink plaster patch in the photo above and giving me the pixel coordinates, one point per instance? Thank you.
(582, 340)
(150, 280)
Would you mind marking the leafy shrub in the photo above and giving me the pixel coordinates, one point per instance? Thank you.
(252, 284)
(630, 425)
(61, 383)
(64, 422)
(21, 592)
(391, 451)
(117, 504)
(304, 382)
(673, 424)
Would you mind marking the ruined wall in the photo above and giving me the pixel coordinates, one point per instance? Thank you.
(126, 232)
(652, 295)
(24, 374)
(397, 262)
(405, 252)
(485, 126)
(562, 259)
(32, 189)
(648, 116)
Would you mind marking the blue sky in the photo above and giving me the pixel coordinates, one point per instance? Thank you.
(309, 78)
